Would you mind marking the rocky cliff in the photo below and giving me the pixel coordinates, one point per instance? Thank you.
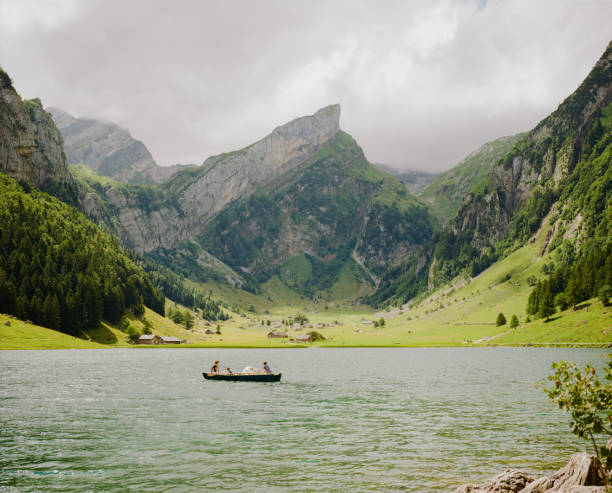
(140, 215)
(334, 213)
(204, 192)
(545, 157)
(447, 190)
(110, 150)
(31, 146)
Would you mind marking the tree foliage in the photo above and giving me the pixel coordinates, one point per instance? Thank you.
(586, 398)
(501, 320)
(176, 288)
(577, 281)
(61, 271)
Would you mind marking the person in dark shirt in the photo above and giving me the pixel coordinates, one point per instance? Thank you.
(266, 367)
(215, 368)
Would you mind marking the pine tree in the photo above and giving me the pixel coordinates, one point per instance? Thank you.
(561, 301)
(604, 294)
(547, 305)
(514, 323)
(571, 291)
(501, 320)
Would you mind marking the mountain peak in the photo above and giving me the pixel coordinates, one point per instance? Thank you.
(226, 177)
(316, 128)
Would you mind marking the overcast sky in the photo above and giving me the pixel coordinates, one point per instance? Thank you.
(421, 83)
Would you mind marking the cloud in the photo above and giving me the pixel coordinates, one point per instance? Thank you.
(421, 83)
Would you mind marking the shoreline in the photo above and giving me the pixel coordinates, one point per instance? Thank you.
(573, 345)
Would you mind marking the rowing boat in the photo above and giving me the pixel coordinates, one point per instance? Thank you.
(243, 377)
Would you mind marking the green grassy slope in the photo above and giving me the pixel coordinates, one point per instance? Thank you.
(446, 192)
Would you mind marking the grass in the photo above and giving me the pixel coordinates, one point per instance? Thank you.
(22, 335)
(462, 313)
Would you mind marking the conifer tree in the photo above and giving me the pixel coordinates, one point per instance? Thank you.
(547, 305)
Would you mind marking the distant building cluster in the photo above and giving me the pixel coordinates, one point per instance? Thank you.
(155, 339)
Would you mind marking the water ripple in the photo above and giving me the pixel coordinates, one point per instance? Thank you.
(358, 420)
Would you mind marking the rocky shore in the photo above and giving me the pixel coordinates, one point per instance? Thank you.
(581, 475)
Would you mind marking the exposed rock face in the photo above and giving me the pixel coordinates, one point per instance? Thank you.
(546, 154)
(16, 134)
(31, 146)
(580, 475)
(141, 216)
(448, 190)
(109, 149)
(49, 159)
(227, 177)
(334, 210)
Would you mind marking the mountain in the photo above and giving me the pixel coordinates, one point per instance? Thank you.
(446, 191)
(556, 177)
(204, 191)
(110, 150)
(334, 213)
(558, 172)
(57, 267)
(415, 181)
(302, 205)
(31, 147)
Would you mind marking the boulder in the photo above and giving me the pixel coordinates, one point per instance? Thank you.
(7, 323)
(581, 470)
(509, 481)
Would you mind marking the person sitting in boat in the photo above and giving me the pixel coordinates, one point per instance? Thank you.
(215, 368)
(229, 371)
(266, 367)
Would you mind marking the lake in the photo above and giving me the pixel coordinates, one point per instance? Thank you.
(340, 420)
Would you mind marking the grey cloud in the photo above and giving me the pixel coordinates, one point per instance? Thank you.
(421, 83)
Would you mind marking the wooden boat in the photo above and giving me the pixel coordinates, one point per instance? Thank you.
(244, 377)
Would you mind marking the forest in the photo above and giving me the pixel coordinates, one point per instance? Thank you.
(59, 270)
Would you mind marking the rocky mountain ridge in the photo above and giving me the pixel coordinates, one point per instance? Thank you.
(205, 191)
(446, 192)
(336, 211)
(548, 153)
(110, 150)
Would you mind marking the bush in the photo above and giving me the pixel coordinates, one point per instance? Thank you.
(187, 319)
(132, 334)
(316, 336)
(605, 293)
(218, 329)
(514, 323)
(123, 325)
(587, 399)
(501, 320)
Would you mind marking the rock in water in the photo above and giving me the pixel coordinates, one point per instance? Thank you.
(509, 481)
(581, 470)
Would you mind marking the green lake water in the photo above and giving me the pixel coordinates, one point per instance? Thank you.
(346, 420)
